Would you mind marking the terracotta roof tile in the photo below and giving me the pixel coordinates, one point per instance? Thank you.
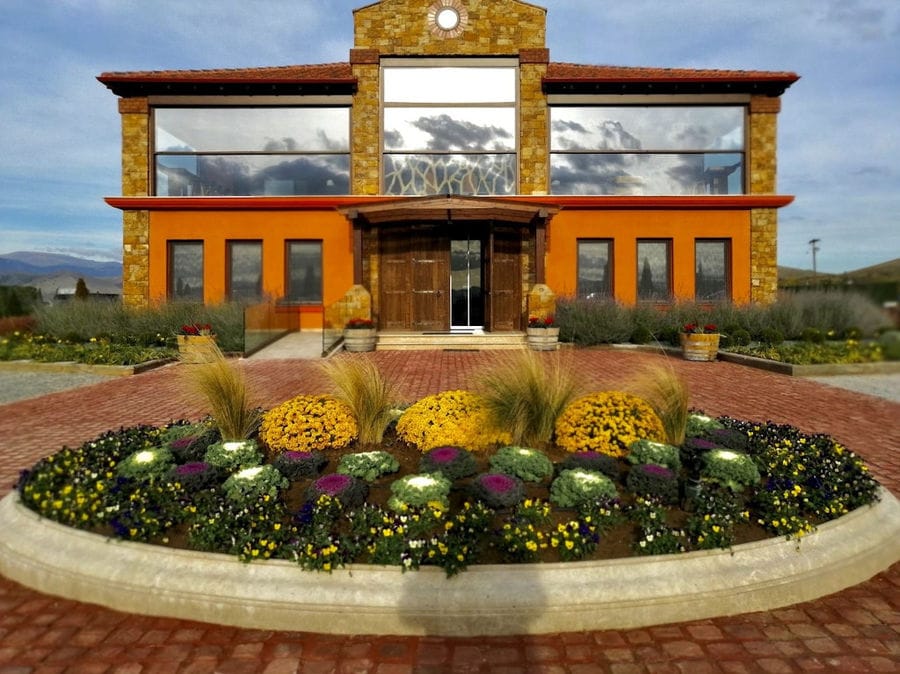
(573, 72)
(297, 73)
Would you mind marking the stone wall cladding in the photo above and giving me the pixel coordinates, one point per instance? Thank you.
(366, 136)
(136, 259)
(135, 113)
(534, 131)
(763, 255)
(763, 180)
(399, 27)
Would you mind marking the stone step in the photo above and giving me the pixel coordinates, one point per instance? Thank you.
(447, 341)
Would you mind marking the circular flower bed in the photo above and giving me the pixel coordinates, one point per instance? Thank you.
(397, 505)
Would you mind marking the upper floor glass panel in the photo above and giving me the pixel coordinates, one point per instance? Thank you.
(449, 129)
(252, 151)
(449, 84)
(661, 150)
(232, 129)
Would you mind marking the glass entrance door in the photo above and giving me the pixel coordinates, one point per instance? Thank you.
(466, 288)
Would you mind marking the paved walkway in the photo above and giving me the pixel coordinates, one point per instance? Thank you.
(857, 630)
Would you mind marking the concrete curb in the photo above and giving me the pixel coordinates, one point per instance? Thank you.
(485, 600)
(71, 367)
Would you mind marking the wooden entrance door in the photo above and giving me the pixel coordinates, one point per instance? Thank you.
(415, 279)
(504, 280)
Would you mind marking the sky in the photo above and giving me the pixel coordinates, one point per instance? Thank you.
(838, 132)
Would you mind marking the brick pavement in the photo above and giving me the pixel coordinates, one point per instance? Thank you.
(857, 630)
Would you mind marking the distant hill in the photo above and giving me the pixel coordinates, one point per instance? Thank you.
(41, 264)
(54, 274)
(884, 272)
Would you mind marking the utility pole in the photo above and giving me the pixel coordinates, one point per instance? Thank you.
(814, 243)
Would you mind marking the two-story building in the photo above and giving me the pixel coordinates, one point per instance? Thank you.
(448, 167)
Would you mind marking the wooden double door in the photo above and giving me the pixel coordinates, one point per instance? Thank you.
(460, 277)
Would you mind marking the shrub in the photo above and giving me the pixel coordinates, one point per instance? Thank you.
(653, 481)
(592, 322)
(740, 337)
(641, 335)
(497, 490)
(771, 336)
(366, 392)
(308, 422)
(450, 418)
(525, 394)
(812, 335)
(607, 422)
(529, 465)
(368, 466)
(573, 488)
(298, 465)
(890, 344)
(647, 451)
(453, 462)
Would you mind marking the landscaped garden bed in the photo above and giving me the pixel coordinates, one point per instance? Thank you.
(445, 485)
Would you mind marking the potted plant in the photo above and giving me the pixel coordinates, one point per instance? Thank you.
(700, 342)
(542, 333)
(359, 335)
(196, 343)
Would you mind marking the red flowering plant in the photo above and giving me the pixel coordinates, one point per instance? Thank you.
(360, 324)
(697, 329)
(196, 329)
(540, 321)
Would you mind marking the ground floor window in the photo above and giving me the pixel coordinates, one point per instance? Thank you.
(243, 279)
(654, 270)
(711, 265)
(304, 272)
(595, 279)
(185, 276)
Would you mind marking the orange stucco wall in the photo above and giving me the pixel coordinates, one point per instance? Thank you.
(273, 228)
(626, 227)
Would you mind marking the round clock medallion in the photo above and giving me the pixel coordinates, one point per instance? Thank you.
(447, 18)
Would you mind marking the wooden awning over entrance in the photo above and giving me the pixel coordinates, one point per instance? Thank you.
(449, 209)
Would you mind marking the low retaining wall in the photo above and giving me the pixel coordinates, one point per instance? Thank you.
(485, 600)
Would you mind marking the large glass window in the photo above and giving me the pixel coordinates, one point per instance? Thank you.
(244, 272)
(647, 150)
(712, 280)
(595, 280)
(252, 151)
(304, 272)
(185, 277)
(449, 130)
(654, 270)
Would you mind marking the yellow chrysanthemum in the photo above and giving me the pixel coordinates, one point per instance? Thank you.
(607, 422)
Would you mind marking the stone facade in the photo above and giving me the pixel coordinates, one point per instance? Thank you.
(762, 163)
(534, 124)
(489, 28)
(135, 113)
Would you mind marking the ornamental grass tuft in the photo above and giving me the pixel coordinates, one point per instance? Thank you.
(668, 395)
(525, 393)
(361, 386)
(226, 392)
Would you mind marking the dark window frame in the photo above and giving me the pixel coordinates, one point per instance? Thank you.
(729, 292)
(670, 270)
(288, 285)
(611, 265)
(229, 277)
